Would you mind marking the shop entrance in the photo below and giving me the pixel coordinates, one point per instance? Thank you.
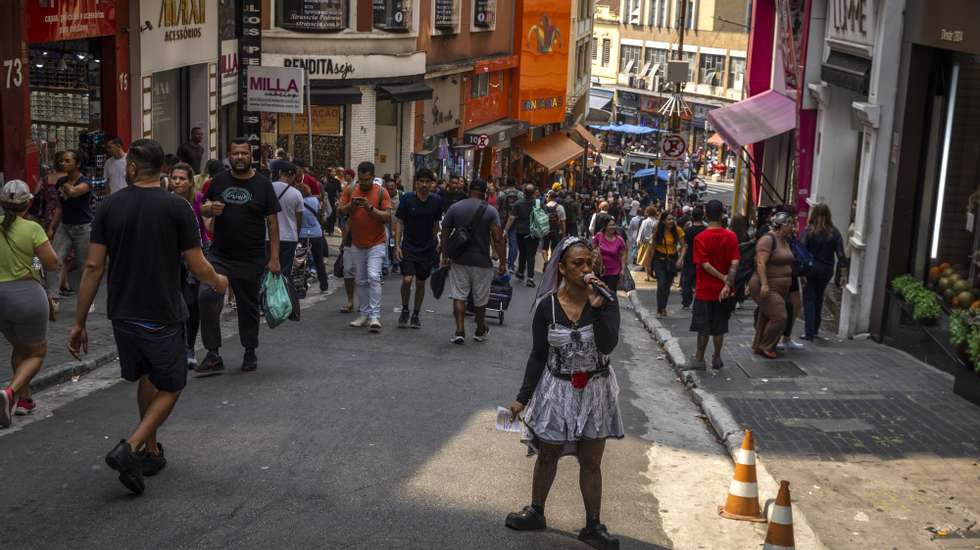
(176, 105)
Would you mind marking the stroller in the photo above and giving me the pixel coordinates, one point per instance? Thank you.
(500, 294)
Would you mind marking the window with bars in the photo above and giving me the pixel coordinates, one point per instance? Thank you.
(633, 14)
(658, 13)
(656, 58)
(736, 73)
(711, 69)
(606, 50)
(595, 48)
(629, 59)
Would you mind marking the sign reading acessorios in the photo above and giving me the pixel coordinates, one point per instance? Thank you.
(311, 15)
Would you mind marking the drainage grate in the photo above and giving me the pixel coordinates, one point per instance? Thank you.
(770, 369)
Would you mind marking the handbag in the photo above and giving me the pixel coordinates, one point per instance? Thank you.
(460, 237)
(626, 282)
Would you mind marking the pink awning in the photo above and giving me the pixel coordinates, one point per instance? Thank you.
(755, 119)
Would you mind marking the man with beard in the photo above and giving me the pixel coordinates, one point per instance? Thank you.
(244, 206)
(144, 231)
(453, 193)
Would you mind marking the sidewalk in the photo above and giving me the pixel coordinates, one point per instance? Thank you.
(879, 451)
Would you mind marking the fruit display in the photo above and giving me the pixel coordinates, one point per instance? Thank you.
(954, 285)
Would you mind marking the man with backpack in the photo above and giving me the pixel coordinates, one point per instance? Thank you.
(468, 229)
(527, 243)
(556, 225)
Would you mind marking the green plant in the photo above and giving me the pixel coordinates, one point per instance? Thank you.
(973, 347)
(926, 306)
(959, 329)
(906, 285)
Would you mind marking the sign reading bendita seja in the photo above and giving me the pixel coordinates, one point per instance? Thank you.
(275, 90)
(350, 67)
(177, 33)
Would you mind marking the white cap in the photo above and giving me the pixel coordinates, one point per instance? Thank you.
(379, 181)
(15, 192)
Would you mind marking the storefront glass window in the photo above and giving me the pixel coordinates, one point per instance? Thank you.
(393, 15)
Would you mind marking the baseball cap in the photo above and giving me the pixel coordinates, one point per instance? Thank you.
(555, 186)
(16, 192)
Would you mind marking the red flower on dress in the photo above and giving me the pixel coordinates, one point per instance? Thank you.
(579, 380)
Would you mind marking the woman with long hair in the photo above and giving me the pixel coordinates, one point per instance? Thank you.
(644, 241)
(826, 246)
(181, 177)
(668, 251)
(26, 309)
(612, 249)
(570, 396)
(770, 284)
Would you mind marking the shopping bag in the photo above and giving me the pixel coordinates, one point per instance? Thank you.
(274, 298)
(626, 282)
(438, 281)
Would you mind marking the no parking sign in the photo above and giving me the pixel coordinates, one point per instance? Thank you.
(673, 146)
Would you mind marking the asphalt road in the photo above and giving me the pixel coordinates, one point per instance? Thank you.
(344, 439)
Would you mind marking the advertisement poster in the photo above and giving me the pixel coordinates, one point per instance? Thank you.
(544, 61)
(326, 122)
(49, 21)
(311, 15)
(275, 90)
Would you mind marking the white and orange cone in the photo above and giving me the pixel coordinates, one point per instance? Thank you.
(779, 536)
(743, 494)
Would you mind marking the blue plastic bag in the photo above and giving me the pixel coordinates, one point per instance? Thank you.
(276, 304)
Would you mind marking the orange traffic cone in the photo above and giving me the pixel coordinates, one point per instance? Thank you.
(743, 494)
(779, 536)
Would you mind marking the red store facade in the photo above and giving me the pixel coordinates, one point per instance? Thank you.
(64, 81)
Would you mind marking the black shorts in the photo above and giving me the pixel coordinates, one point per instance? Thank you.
(710, 317)
(550, 242)
(158, 353)
(418, 266)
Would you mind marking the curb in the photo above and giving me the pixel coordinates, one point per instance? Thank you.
(720, 418)
(66, 371)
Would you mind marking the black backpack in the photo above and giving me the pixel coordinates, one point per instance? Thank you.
(459, 238)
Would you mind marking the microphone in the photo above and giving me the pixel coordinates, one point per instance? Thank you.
(594, 281)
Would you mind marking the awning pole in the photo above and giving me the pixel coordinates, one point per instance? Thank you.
(309, 118)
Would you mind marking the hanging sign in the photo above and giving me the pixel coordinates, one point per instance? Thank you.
(275, 90)
(673, 146)
(249, 56)
(69, 20)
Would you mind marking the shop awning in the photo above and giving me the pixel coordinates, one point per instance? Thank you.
(587, 136)
(402, 93)
(498, 132)
(344, 95)
(847, 71)
(755, 119)
(716, 139)
(553, 151)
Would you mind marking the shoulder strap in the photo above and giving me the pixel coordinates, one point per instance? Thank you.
(477, 216)
(279, 197)
(314, 212)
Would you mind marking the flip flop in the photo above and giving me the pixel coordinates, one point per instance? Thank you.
(347, 309)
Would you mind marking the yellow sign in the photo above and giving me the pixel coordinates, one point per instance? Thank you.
(326, 122)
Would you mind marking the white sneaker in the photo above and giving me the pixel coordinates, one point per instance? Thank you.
(360, 322)
(795, 344)
(375, 325)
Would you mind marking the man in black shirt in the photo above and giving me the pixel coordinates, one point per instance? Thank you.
(527, 245)
(72, 219)
(192, 152)
(243, 205)
(144, 231)
(689, 271)
(416, 231)
(331, 190)
(454, 192)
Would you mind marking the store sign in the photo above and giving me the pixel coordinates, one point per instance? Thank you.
(326, 122)
(311, 15)
(53, 21)
(484, 13)
(177, 33)
(350, 67)
(250, 55)
(228, 68)
(446, 15)
(852, 21)
(442, 111)
(544, 61)
(275, 90)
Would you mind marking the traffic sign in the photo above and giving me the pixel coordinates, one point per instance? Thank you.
(673, 146)
(483, 141)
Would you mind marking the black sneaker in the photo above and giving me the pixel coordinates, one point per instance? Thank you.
(249, 362)
(598, 537)
(527, 519)
(482, 337)
(152, 464)
(415, 322)
(520, 276)
(403, 319)
(212, 364)
(530, 283)
(129, 465)
(459, 338)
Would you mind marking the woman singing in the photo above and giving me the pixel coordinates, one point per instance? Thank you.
(570, 395)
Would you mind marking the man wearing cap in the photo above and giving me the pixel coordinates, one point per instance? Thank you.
(471, 270)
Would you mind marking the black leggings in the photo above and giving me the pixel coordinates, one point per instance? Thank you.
(665, 273)
(527, 247)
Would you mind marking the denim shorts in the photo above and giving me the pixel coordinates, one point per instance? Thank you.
(155, 351)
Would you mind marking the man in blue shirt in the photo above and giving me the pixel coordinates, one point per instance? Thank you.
(416, 241)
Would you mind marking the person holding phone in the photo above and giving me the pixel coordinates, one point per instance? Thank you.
(569, 382)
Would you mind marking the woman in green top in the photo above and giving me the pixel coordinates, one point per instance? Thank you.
(23, 302)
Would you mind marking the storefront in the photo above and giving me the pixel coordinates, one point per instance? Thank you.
(441, 119)
(490, 147)
(933, 190)
(71, 82)
(371, 115)
(486, 95)
(649, 111)
(179, 53)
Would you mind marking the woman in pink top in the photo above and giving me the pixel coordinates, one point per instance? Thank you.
(613, 249)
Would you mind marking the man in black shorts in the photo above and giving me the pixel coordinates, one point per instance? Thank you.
(715, 257)
(144, 230)
(416, 235)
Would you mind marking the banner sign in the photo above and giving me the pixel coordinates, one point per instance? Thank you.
(178, 33)
(350, 67)
(228, 69)
(275, 90)
(544, 61)
(69, 20)
(250, 55)
(311, 15)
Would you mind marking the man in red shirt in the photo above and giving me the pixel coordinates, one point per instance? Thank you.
(716, 257)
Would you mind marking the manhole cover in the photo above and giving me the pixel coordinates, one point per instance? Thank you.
(771, 369)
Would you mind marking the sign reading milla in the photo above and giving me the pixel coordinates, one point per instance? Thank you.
(275, 90)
